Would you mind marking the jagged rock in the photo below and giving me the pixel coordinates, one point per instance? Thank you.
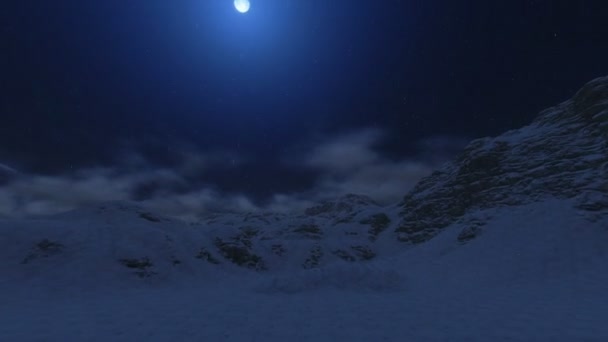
(150, 217)
(378, 222)
(239, 254)
(562, 154)
(469, 233)
(278, 250)
(141, 265)
(314, 258)
(364, 252)
(344, 255)
(43, 249)
(137, 263)
(204, 254)
(311, 231)
(356, 253)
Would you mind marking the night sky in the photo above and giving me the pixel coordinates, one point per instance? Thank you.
(191, 106)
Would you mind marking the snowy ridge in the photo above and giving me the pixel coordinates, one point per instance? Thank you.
(562, 154)
(538, 275)
(123, 243)
(92, 247)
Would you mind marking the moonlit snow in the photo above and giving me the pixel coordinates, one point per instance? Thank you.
(538, 273)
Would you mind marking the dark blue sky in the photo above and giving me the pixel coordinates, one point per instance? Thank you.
(93, 83)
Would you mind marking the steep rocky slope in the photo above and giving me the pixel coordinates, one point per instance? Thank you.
(342, 229)
(562, 154)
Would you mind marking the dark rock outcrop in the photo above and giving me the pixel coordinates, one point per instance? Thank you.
(562, 154)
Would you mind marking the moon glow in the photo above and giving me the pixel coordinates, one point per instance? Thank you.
(242, 5)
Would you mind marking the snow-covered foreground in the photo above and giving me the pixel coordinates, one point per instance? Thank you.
(536, 273)
(520, 312)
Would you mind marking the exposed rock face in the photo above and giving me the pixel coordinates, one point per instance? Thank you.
(563, 154)
(343, 229)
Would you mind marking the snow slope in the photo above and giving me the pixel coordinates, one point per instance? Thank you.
(500, 287)
(508, 242)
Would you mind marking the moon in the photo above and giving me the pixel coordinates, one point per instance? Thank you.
(242, 5)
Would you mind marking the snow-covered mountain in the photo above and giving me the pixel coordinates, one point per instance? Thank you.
(506, 242)
(118, 242)
(563, 154)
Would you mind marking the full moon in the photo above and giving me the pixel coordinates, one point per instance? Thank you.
(242, 5)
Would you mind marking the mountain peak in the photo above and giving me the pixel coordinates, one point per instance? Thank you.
(589, 104)
(562, 154)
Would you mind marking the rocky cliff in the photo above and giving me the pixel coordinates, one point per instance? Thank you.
(562, 154)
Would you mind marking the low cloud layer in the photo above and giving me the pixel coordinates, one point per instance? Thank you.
(349, 163)
(165, 190)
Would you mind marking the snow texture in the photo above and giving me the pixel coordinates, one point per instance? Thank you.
(537, 273)
(509, 242)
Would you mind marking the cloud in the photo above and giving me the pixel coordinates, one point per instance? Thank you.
(343, 164)
(40, 195)
(172, 191)
(350, 163)
(283, 203)
(386, 182)
(4, 169)
(346, 152)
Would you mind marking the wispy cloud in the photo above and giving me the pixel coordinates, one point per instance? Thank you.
(7, 169)
(173, 191)
(348, 163)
